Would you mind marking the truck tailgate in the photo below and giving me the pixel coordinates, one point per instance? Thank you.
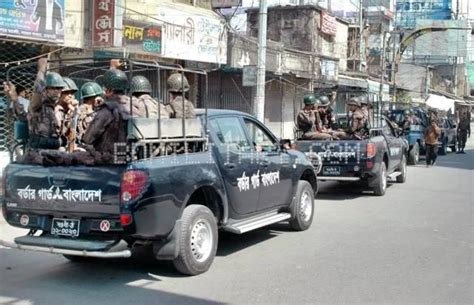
(344, 152)
(72, 189)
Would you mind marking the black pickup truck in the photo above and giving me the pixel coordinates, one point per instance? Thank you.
(238, 178)
(382, 156)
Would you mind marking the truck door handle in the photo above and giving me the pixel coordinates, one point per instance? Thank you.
(264, 163)
(229, 165)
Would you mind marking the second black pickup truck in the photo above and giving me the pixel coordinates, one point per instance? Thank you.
(372, 161)
(237, 178)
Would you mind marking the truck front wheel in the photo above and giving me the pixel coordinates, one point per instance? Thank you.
(198, 240)
(303, 209)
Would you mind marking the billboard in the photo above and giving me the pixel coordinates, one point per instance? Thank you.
(37, 20)
(408, 11)
(142, 37)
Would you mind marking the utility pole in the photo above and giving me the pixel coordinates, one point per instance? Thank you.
(455, 68)
(259, 101)
(382, 74)
(361, 28)
(394, 66)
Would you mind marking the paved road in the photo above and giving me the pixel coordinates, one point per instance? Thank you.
(415, 245)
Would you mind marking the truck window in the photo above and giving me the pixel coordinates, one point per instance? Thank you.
(230, 135)
(261, 140)
(387, 129)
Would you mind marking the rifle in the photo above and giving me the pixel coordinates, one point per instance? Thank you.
(73, 131)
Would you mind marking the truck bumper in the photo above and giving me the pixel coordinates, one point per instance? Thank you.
(33, 243)
(334, 178)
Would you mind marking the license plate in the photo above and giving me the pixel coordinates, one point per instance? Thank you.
(331, 170)
(65, 227)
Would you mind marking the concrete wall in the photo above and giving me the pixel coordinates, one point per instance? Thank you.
(413, 78)
(283, 101)
(292, 27)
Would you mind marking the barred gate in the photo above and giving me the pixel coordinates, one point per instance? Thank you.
(14, 55)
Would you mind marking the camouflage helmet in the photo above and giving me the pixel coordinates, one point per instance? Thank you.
(140, 84)
(115, 79)
(324, 100)
(54, 80)
(354, 101)
(310, 100)
(70, 84)
(91, 89)
(363, 100)
(177, 82)
(407, 112)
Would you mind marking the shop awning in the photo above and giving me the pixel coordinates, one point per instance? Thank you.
(440, 102)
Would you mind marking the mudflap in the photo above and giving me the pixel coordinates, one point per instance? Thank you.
(168, 248)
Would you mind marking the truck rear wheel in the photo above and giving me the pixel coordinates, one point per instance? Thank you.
(381, 182)
(414, 154)
(198, 240)
(303, 209)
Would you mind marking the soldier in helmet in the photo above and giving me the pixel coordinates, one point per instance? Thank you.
(178, 85)
(115, 84)
(140, 88)
(65, 108)
(91, 95)
(328, 122)
(107, 127)
(43, 124)
(407, 120)
(358, 120)
(309, 122)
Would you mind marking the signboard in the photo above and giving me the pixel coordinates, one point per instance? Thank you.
(409, 11)
(105, 23)
(40, 20)
(189, 35)
(141, 37)
(224, 3)
(249, 76)
(328, 24)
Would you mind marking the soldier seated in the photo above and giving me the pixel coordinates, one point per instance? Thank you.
(178, 85)
(140, 88)
(309, 122)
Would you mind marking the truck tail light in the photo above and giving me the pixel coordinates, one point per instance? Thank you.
(134, 183)
(126, 219)
(371, 150)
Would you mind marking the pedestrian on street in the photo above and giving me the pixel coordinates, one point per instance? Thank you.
(464, 131)
(432, 134)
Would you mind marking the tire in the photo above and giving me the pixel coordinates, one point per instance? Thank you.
(414, 155)
(303, 209)
(443, 150)
(454, 146)
(381, 181)
(402, 178)
(198, 240)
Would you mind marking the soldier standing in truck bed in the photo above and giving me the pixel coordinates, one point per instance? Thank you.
(358, 120)
(44, 127)
(115, 83)
(91, 95)
(178, 85)
(65, 108)
(140, 88)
